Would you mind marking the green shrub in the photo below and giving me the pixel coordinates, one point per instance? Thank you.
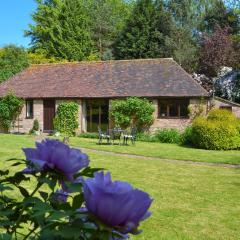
(186, 136)
(35, 127)
(10, 108)
(221, 115)
(133, 111)
(66, 120)
(220, 134)
(168, 135)
(88, 135)
(146, 137)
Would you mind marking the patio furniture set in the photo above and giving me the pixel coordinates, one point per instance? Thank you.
(117, 134)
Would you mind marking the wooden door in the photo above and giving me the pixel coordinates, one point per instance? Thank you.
(48, 114)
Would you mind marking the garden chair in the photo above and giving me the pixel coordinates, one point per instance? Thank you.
(102, 135)
(116, 134)
(132, 136)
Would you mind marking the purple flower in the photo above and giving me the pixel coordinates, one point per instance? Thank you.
(116, 204)
(53, 154)
(60, 196)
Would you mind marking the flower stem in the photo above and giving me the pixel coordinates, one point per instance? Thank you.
(23, 209)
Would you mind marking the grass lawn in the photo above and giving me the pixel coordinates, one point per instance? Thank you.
(164, 150)
(190, 202)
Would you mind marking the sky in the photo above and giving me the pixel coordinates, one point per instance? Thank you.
(15, 15)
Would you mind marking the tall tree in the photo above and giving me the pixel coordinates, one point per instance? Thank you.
(13, 59)
(61, 29)
(184, 48)
(133, 41)
(107, 20)
(217, 51)
(151, 32)
(188, 13)
(220, 14)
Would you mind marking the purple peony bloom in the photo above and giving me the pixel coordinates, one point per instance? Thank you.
(60, 196)
(53, 154)
(116, 204)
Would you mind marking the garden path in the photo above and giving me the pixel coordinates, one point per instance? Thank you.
(236, 166)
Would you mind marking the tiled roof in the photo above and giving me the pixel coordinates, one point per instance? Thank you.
(143, 77)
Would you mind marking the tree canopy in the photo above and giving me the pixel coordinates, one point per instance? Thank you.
(13, 59)
(76, 30)
(61, 29)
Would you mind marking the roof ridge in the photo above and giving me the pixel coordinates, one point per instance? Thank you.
(227, 101)
(100, 61)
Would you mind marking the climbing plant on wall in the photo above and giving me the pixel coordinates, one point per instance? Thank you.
(10, 108)
(66, 120)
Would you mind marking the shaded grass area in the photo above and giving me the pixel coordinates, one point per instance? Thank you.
(163, 150)
(190, 202)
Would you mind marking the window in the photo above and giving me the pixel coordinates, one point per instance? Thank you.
(97, 115)
(29, 108)
(229, 108)
(173, 108)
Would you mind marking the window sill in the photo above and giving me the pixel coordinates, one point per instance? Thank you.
(29, 118)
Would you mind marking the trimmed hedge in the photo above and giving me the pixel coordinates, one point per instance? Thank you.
(219, 131)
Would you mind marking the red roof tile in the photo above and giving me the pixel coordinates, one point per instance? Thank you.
(143, 77)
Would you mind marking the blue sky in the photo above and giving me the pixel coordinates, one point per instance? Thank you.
(15, 15)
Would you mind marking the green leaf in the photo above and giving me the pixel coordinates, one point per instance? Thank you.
(5, 236)
(23, 191)
(50, 182)
(68, 232)
(4, 187)
(16, 179)
(3, 173)
(44, 195)
(17, 164)
(74, 187)
(57, 216)
(78, 201)
(15, 159)
(88, 172)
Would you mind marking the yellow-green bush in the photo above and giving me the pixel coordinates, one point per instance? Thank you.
(221, 115)
(219, 131)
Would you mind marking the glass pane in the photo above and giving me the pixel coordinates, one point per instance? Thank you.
(29, 107)
(173, 109)
(104, 118)
(162, 109)
(97, 115)
(88, 119)
(229, 108)
(184, 110)
(184, 103)
(95, 119)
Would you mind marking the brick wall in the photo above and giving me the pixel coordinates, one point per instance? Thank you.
(24, 125)
(179, 123)
(219, 104)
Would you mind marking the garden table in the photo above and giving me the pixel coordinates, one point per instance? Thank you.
(116, 133)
